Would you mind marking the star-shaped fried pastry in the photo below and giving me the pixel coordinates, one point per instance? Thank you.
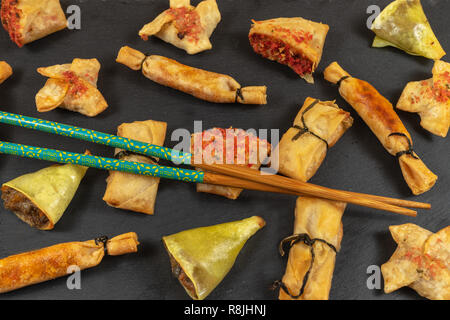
(421, 261)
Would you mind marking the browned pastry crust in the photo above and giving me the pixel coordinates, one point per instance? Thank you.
(5, 71)
(33, 267)
(378, 113)
(202, 84)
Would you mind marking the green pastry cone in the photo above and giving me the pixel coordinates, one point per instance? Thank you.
(40, 198)
(403, 24)
(202, 257)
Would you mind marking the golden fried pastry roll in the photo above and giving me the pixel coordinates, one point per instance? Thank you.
(41, 198)
(30, 20)
(295, 42)
(317, 238)
(430, 99)
(201, 258)
(378, 113)
(186, 27)
(202, 84)
(421, 261)
(34, 267)
(5, 71)
(131, 191)
(228, 146)
(403, 24)
(317, 127)
(72, 87)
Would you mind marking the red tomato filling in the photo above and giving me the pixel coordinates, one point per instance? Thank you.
(281, 52)
(77, 86)
(187, 22)
(10, 16)
(216, 144)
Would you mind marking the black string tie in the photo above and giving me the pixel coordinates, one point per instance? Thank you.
(104, 241)
(410, 149)
(292, 240)
(342, 79)
(125, 153)
(305, 129)
(239, 95)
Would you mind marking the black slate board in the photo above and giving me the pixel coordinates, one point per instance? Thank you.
(358, 162)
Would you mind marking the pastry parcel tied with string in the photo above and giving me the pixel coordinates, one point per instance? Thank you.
(313, 247)
(228, 146)
(34, 267)
(186, 27)
(201, 258)
(41, 198)
(131, 191)
(430, 99)
(202, 84)
(72, 87)
(378, 113)
(295, 42)
(403, 24)
(5, 71)
(421, 262)
(317, 127)
(30, 20)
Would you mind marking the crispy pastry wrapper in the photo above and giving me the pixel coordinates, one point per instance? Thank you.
(290, 39)
(34, 267)
(72, 87)
(5, 71)
(202, 84)
(403, 24)
(378, 113)
(30, 20)
(319, 219)
(421, 261)
(184, 26)
(300, 155)
(130, 191)
(247, 150)
(430, 99)
(202, 257)
(41, 198)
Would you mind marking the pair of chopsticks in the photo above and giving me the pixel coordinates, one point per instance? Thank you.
(227, 175)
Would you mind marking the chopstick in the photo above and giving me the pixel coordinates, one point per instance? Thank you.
(179, 174)
(296, 187)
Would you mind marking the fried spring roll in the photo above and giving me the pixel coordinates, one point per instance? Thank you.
(378, 113)
(318, 126)
(318, 219)
(5, 71)
(34, 267)
(202, 84)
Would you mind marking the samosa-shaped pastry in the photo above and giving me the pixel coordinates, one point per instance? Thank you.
(421, 261)
(30, 20)
(5, 71)
(185, 26)
(40, 198)
(295, 42)
(430, 99)
(72, 87)
(403, 24)
(201, 258)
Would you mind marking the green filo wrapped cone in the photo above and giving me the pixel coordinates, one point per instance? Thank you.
(403, 24)
(40, 198)
(202, 257)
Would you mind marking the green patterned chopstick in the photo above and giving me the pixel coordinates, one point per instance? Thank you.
(101, 162)
(96, 137)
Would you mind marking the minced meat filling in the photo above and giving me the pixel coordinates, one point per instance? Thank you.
(179, 273)
(281, 52)
(23, 207)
